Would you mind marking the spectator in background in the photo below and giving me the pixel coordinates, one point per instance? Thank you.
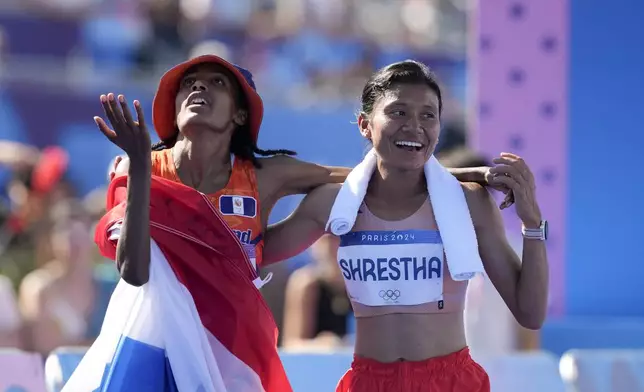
(105, 276)
(57, 299)
(20, 211)
(37, 183)
(317, 308)
(166, 41)
(10, 319)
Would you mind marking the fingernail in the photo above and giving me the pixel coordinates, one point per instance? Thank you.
(103, 98)
(121, 98)
(110, 96)
(136, 103)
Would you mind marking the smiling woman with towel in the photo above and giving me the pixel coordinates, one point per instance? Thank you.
(409, 238)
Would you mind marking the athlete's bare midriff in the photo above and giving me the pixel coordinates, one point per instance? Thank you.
(411, 337)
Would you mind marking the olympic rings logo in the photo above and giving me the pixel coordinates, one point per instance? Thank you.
(389, 295)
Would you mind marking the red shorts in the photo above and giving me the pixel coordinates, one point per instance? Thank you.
(456, 372)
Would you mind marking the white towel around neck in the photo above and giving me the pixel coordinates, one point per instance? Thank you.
(448, 202)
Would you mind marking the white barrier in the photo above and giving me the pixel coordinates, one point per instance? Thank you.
(603, 370)
(320, 372)
(60, 365)
(525, 372)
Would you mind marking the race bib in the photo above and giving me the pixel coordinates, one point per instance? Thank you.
(382, 268)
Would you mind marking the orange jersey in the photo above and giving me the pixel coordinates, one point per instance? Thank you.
(237, 202)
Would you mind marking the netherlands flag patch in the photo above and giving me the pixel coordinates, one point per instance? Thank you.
(238, 205)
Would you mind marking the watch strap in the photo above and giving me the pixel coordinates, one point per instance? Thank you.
(535, 234)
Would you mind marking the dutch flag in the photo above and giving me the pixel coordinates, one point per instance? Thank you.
(199, 324)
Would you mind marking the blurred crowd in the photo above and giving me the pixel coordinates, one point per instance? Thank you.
(298, 49)
(54, 287)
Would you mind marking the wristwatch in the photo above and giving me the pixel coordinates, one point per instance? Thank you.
(540, 234)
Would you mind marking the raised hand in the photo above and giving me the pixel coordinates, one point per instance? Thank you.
(512, 172)
(129, 135)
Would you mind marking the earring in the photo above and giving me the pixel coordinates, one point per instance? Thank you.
(240, 119)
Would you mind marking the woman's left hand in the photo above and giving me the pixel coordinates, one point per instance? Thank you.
(512, 171)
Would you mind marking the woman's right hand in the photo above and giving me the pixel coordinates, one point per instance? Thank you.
(129, 135)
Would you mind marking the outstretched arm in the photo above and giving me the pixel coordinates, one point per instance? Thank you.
(302, 228)
(283, 175)
(523, 285)
(300, 177)
(133, 247)
(470, 174)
